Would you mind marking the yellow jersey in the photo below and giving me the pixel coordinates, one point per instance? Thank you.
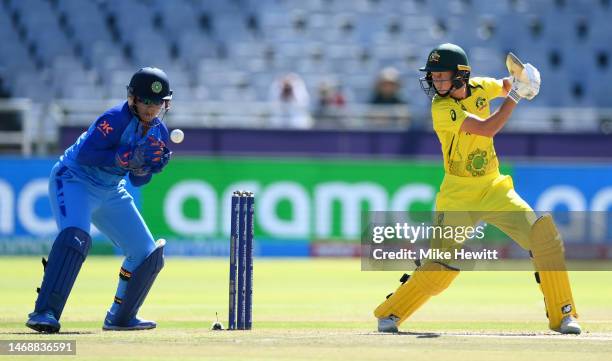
(465, 154)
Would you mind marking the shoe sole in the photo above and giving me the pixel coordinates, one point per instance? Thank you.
(43, 327)
(392, 330)
(133, 328)
(386, 326)
(570, 331)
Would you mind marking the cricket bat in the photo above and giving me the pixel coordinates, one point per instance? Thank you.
(516, 68)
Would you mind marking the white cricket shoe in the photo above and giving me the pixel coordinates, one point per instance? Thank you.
(388, 324)
(569, 325)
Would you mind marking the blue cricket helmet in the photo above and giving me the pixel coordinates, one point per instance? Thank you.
(150, 83)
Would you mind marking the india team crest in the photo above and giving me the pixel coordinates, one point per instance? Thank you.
(156, 87)
(477, 162)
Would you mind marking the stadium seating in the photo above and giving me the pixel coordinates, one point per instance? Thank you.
(232, 50)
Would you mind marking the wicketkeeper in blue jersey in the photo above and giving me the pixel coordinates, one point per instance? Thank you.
(87, 185)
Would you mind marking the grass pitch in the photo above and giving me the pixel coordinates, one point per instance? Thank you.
(310, 310)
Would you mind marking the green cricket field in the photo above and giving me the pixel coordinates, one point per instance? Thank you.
(310, 309)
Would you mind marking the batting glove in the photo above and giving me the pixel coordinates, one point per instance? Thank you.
(528, 86)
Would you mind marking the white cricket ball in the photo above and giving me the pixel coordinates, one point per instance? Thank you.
(177, 136)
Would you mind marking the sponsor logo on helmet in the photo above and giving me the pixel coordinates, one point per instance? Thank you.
(156, 87)
(434, 57)
(566, 309)
(481, 103)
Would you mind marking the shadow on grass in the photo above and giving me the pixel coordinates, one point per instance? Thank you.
(50, 334)
(407, 333)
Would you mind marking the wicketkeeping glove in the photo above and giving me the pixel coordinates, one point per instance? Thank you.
(165, 158)
(151, 151)
(125, 158)
(141, 158)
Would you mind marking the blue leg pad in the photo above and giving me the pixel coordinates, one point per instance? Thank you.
(67, 255)
(139, 283)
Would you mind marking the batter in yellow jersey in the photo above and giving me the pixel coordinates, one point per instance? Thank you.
(473, 189)
(465, 154)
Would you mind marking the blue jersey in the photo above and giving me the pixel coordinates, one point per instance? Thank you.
(92, 156)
